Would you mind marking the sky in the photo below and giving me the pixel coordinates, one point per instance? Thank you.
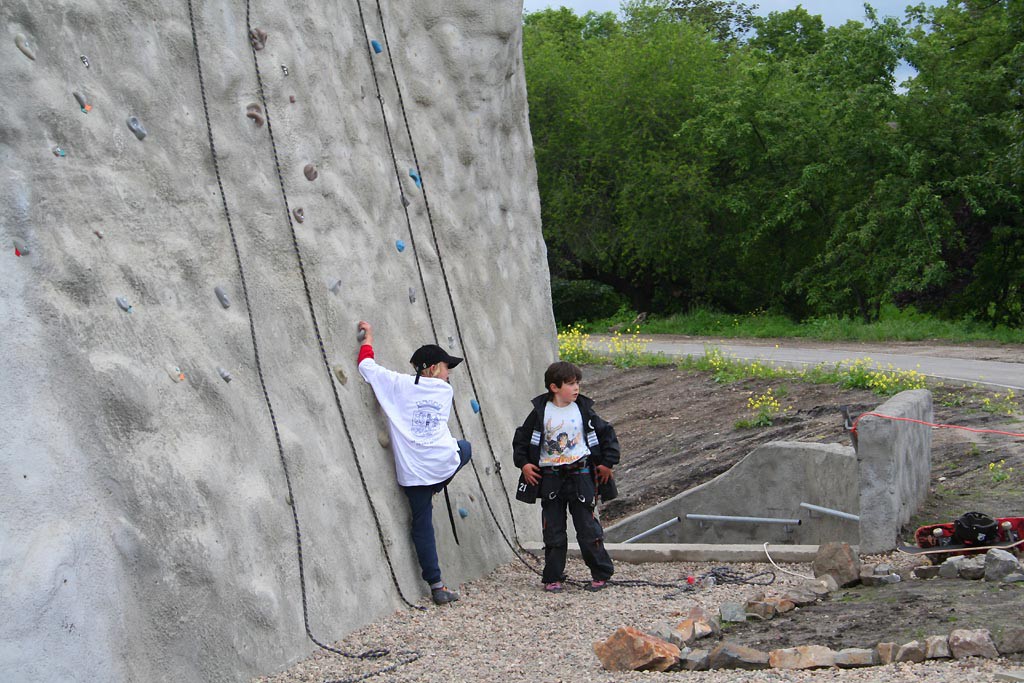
(833, 12)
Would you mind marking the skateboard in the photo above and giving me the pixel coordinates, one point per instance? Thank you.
(936, 540)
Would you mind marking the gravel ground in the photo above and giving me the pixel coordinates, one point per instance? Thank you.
(506, 629)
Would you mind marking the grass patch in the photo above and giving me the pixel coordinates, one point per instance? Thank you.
(894, 324)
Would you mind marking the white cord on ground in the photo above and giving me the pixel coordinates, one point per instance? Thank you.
(784, 571)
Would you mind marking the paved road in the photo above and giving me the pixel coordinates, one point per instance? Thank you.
(998, 367)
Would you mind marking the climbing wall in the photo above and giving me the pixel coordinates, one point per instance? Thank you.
(199, 202)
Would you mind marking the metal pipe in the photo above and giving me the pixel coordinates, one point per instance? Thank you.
(750, 520)
(644, 534)
(830, 511)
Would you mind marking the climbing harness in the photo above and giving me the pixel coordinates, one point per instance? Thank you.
(407, 657)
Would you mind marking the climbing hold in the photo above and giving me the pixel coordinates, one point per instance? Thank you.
(291, 98)
(20, 249)
(86, 107)
(400, 245)
(123, 303)
(376, 46)
(258, 38)
(135, 126)
(383, 439)
(451, 340)
(284, 69)
(222, 296)
(412, 295)
(416, 177)
(339, 372)
(98, 233)
(475, 405)
(405, 200)
(463, 512)
(288, 500)
(255, 112)
(85, 60)
(224, 374)
(361, 334)
(175, 373)
(26, 47)
(310, 172)
(59, 152)
(471, 498)
(300, 215)
(335, 287)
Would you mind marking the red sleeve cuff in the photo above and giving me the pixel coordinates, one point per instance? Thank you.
(365, 351)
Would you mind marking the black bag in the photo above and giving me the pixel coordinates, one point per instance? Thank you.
(974, 528)
(607, 491)
(526, 493)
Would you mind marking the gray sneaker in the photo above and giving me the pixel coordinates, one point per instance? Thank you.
(442, 596)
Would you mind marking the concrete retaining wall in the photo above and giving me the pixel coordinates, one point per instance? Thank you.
(894, 460)
(770, 482)
(891, 465)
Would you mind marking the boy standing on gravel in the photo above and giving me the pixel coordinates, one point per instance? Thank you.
(564, 446)
(427, 456)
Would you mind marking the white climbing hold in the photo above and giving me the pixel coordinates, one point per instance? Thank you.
(98, 233)
(224, 374)
(335, 287)
(123, 303)
(361, 334)
(25, 46)
(175, 373)
(136, 127)
(383, 439)
(85, 60)
(284, 69)
(222, 297)
(412, 295)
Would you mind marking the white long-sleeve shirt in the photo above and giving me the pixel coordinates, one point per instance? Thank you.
(425, 451)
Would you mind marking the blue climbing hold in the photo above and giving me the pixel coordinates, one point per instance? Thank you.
(416, 177)
(463, 512)
(376, 46)
(399, 245)
(475, 405)
(124, 305)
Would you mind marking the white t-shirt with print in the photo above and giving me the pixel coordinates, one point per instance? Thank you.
(425, 451)
(563, 440)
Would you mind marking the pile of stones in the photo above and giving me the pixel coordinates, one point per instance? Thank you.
(680, 646)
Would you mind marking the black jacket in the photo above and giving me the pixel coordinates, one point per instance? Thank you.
(601, 439)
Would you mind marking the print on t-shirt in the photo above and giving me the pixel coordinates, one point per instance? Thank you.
(563, 441)
(426, 419)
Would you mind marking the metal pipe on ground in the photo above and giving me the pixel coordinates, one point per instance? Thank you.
(653, 529)
(748, 520)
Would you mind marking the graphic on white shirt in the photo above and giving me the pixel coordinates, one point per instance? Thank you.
(426, 420)
(563, 441)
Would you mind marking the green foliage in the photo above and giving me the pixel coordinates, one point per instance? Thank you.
(691, 156)
(576, 300)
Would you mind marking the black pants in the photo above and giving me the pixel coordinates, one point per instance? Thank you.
(573, 491)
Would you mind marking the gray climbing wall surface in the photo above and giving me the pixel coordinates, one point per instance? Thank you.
(147, 529)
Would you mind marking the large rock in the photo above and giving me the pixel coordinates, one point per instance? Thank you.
(855, 658)
(733, 611)
(972, 643)
(910, 652)
(972, 568)
(886, 652)
(1011, 641)
(729, 655)
(950, 569)
(937, 647)
(802, 657)
(999, 564)
(148, 531)
(629, 649)
(696, 659)
(838, 561)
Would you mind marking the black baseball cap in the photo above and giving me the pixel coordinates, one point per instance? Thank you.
(431, 354)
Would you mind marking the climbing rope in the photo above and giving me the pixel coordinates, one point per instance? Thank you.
(448, 290)
(853, 428)
(407, 657)
(433, 325)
